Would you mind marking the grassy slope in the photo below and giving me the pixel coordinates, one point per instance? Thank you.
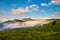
(46, 32)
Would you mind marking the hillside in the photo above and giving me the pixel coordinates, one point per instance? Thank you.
(49, 31)
(54, 26)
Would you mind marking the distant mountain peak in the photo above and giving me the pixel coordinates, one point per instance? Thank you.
(27, 19)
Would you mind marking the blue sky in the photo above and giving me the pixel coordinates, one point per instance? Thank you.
(29, 8)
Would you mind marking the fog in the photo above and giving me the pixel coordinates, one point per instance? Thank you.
(23, 24)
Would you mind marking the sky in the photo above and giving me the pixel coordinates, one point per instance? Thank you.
(29, 8)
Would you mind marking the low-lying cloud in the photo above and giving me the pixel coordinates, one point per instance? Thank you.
(26, 24)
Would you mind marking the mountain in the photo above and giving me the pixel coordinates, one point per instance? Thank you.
(15, 20)
(28, 19)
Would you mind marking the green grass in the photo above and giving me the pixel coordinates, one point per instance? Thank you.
(45, 32)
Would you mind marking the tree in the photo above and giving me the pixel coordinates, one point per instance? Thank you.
(54, 23)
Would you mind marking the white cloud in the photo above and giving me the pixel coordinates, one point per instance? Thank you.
(44, 4)
(34, 7)
(26, 9)
(19, 11)
(53, 2)
(51, 17)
